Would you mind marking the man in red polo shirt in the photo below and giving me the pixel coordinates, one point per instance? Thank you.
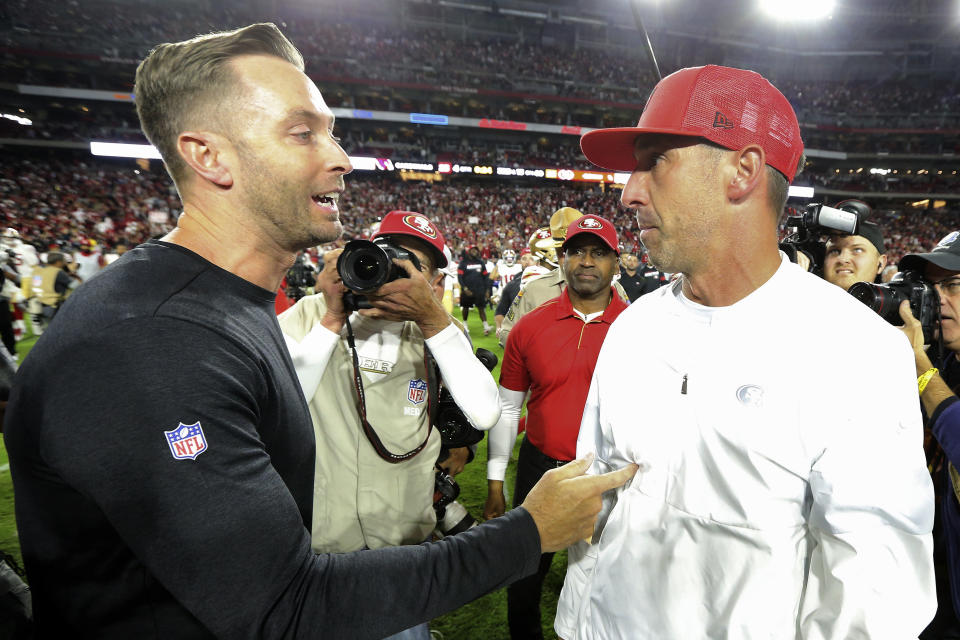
(551, 353)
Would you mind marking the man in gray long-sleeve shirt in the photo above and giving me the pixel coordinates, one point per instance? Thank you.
(160, 446)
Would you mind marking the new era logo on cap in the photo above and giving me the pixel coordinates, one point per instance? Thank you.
(720, 120)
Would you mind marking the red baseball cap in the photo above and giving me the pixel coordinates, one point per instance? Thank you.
(417, 225)
(730, 107)
(595, 225)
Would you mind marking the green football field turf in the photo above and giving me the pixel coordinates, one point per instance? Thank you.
(482, 619)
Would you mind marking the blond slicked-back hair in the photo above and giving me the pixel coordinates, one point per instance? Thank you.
(179, 84)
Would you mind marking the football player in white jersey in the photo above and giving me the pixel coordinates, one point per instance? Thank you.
(22, 257)
(507, 267)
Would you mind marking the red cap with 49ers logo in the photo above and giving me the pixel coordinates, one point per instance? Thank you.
(595, 225)
(730, 107)
(417, 225)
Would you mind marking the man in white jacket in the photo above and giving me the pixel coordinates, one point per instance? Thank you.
(772, 501)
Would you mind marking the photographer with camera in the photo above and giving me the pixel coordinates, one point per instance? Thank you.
(365, 364)
(938, 379)
(551, 353)
(851, 258)
(51, 284)
(301, 278)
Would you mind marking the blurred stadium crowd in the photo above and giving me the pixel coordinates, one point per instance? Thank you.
(57, 203)
(907, 125)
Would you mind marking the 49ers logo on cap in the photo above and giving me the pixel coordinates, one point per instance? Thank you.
(421, 225)
(590, 223)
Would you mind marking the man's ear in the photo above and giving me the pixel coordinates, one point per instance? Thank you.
(748, 174)
(881, 263)
(205, 153)
(436, 283)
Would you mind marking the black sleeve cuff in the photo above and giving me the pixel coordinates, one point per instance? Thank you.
(941, 408)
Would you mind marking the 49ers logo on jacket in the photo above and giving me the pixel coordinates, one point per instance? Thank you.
(417, 391)
(186, 441)
(420, 224)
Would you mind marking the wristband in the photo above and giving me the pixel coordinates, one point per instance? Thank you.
(925, 378)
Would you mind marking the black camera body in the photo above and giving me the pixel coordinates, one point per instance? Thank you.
(452, 517)
(816, 220)
(885, 299)
(300, 277)
(445, 491)
(365, 266)
(455, 430)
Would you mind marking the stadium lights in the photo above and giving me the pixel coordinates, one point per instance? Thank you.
(465, 5)
(123, 150)
(797, 10)
(800, 192)
(18, 119)
(423, 170)
(536, 15)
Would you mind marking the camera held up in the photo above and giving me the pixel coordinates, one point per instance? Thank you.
(885, 299)
(816, 220)
(455, 431)
(452, 517)
(365, 266)
(300, 278)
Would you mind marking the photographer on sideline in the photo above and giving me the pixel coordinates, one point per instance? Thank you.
(938, 382)
(361, 500)
(854, 258)
(52, 283)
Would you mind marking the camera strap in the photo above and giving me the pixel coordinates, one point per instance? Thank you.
(368, 429)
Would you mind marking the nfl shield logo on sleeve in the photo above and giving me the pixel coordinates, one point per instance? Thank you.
(417, 391)
(186, 441)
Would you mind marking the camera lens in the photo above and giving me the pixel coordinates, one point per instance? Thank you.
(366, 268)
(363, 266)
(884, 299)
(487, 357)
